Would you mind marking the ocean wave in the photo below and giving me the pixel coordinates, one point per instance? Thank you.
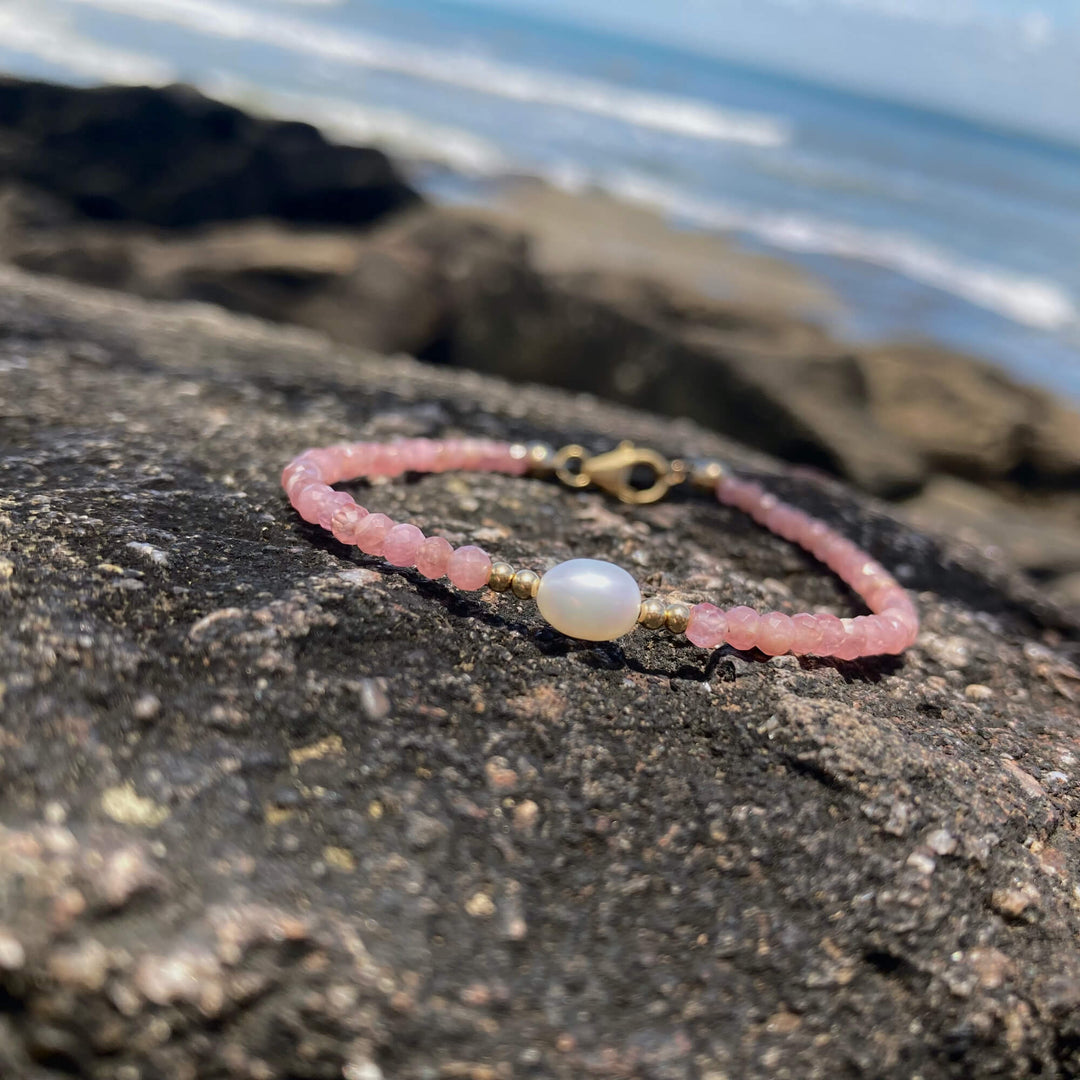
(479, 74)
(1030, 301)
(346, 121)
(26, 30)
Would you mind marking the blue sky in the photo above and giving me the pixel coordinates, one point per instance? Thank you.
(1003, 61)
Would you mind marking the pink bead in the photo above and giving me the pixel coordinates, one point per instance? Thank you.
(330, 506)
(516, 466)
(707, 626)
(854, 643)
(434, 556)
(894, 634)
(299, 473)
(402, 544)
(424, 455)
(387, 460)
(818, 536)
(775, 633)
(805, 634)
(892, 598)
(309, 502)
(469, 568)
(742, 628)
(832, 634)
(371, 534)
(727, 488)
(874, 634)
(345, 524)
(763, 507)
(783, 520)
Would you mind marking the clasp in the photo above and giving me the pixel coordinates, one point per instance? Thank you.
(633, 474)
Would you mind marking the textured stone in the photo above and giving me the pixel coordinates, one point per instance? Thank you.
(374, 826)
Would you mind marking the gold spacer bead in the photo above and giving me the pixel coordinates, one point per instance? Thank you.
(540, 458)
(502, 576)
(705, 474)
(677, 617)
(652, 613)
(525, 584)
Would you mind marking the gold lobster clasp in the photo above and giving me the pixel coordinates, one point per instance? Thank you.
(633, 474)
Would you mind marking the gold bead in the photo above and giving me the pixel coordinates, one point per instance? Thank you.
(502, 576)
(705, 474)
(525, 584)
(541, 459)
(652, 613)
(677, 617)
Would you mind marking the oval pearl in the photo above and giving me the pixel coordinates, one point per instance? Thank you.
(589, 599)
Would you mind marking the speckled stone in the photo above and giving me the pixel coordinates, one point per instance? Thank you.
(378, 826)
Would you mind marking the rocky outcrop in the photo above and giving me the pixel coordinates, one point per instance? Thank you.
(176, 159)
(272, 809)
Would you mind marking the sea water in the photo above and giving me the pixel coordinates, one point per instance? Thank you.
(929, 226)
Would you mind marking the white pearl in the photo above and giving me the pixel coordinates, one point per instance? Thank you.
(589, 599)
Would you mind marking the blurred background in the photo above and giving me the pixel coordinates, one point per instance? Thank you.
(844, 231)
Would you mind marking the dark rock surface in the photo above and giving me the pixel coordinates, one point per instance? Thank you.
(172, 157)
(272, 810)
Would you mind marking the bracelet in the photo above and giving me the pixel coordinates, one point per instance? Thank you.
(592, 599)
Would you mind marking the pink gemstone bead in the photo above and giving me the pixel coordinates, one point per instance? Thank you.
(469, 568)
(775, 633)
(402, 544)
(387, 460)
(345, 524)
(310, 501)
(854, 643)
(434, 556)
(372, 533)
(707, 626)
(763, 507)
(298, 474)
(334, 502)
(832, 634)
(805, 634)
(894, 635)
(874, 633)
(742, 628)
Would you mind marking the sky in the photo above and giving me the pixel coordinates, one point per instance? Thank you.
(1011, 62)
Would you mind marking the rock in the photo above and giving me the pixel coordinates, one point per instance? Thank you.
(174, 158)
(530, 856)
(1038, 531)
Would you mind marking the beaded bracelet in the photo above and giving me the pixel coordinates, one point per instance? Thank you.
(591, 599)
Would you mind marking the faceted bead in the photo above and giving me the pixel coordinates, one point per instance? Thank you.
(401, 545)
(372, 533)
(334, 502)
(832, 634)
(469, 568)
(310, 501)
(707, 626)
(742, 628)
(433, 556)
(775, 633)
(345, 524)
(874, 635)
(854, 644)
(806, 634)
(589, 599)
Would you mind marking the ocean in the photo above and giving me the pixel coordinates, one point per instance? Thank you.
(928, 226)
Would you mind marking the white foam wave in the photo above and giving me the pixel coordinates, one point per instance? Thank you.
(676, 115)
(29, 31)
(1030, 301)
(345, 121)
